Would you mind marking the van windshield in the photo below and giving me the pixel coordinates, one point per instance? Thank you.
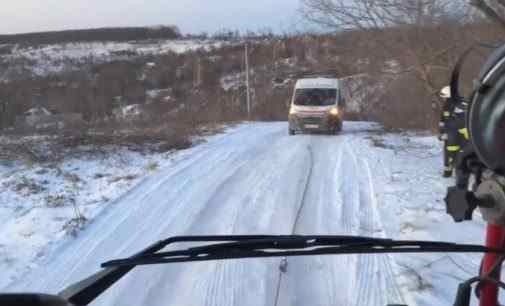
(315, 96)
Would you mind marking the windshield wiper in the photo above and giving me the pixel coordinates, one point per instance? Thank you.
(279, 246)
(235, 247)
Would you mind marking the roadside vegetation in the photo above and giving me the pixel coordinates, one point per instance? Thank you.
(402, 51)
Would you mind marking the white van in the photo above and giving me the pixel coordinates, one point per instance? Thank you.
(317, 105)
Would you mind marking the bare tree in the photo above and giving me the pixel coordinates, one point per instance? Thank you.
(371, 14)
(492, 9)
(398, 28)
(417, 39)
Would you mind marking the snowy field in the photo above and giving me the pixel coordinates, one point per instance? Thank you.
(107, 49)
(42, 204)
(56, 58)
(253, 179)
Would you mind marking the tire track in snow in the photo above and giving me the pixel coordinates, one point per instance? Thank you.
(228, 213)
(301, 205)
(158, 219)
(339, 199)
(227, 271)
(376, 284)
(317, 280)
(284, 262)
(151, 206)
(349, 192)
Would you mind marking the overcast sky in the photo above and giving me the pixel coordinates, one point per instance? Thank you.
(192, 16)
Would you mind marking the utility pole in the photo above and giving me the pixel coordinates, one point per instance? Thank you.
(198, 78)
(3, 113)
(248, 93)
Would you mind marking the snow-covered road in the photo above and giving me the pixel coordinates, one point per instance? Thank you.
(256, 179)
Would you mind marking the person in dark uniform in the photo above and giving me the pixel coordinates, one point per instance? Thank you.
(445, 116)
(453, 131)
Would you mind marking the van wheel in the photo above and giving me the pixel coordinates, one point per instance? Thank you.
(338, 128)
(291, 132)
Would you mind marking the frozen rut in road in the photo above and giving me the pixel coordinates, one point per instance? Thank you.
(339, 199)
(254, 180)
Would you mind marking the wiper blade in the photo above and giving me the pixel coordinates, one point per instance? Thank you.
(87, 290)
(235, 247)
(289, 242)
(280, 246)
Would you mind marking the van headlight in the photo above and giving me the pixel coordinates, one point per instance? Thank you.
(292, 111)
(334, 111)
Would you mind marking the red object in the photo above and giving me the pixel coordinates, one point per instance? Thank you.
(494, 239)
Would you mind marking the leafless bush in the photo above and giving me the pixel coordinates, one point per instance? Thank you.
(56, 201)
(406, 104)
(75, 225)
(129, 177)
(25, 185)
(72, 178)
(152, 166)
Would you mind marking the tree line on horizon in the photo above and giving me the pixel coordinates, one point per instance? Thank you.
(118, 34)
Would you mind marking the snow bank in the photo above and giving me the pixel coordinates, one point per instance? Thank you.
(410, 189)
(42, 204)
